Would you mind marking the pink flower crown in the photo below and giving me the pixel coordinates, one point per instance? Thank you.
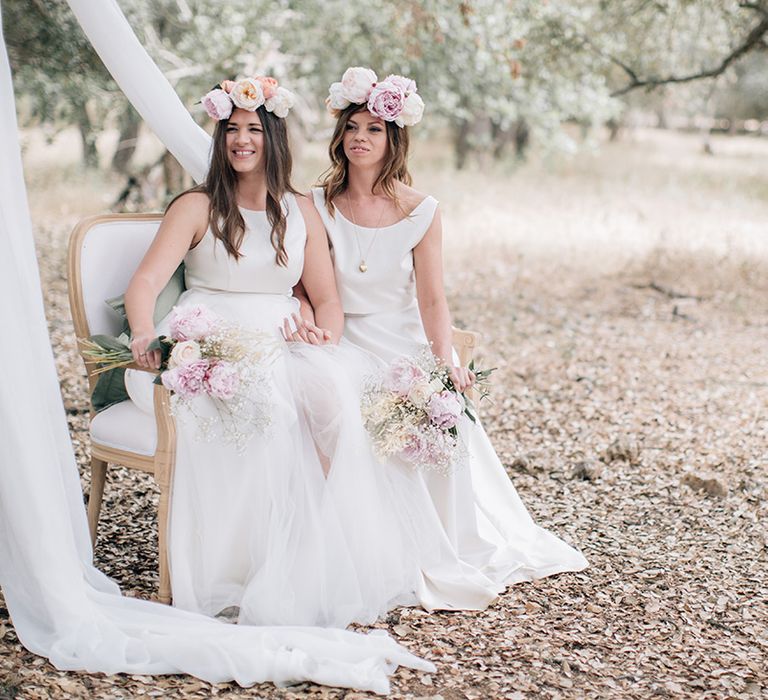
(394, 99)
(248, 94)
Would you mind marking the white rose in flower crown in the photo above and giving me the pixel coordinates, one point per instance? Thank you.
(336, 99)
(184, 353)
(420, 393)
(357, 83)
(412, 112)
(247, 94)
(281, 102)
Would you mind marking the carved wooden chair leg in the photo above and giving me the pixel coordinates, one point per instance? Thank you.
(164, 590)
(98, 477)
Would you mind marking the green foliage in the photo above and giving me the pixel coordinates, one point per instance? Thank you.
(493, 71)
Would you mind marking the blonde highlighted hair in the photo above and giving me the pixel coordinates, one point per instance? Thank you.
(335, 180)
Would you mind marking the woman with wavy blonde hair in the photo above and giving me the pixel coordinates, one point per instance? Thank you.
(386, 240)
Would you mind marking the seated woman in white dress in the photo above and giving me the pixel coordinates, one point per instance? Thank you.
(262, 529)
(386, 242)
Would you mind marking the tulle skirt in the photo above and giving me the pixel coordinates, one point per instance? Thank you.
(262, 527)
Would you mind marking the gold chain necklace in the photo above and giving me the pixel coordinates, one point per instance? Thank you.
(362, 266)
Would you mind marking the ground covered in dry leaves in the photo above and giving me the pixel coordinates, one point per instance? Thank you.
(630, 411)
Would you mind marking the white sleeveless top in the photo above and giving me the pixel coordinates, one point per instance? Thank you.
(209, 267)
(389, 283)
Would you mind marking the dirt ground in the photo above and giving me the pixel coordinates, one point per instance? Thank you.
(629, 409)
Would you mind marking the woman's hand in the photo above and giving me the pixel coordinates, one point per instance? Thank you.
(462, 378)
(305, 332)
(141, 356)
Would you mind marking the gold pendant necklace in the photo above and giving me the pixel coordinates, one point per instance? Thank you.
(363, 267)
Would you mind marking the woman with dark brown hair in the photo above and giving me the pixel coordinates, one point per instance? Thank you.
(261, 525)
(386, 240)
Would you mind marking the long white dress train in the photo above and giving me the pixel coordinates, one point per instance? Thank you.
(487, 524)
(61, 606)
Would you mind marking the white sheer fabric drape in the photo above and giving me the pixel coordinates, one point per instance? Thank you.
(143, 83)
(61, 606)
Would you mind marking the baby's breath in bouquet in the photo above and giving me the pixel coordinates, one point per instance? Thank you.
(205, 357)
(412, 411)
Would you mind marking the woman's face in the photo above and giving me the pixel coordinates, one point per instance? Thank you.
(245, 141)
(365, 139)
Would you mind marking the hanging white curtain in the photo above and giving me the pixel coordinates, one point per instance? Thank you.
(61, 606)
(143, 83)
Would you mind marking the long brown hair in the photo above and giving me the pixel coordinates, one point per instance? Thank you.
(226, 221)
(335, 180)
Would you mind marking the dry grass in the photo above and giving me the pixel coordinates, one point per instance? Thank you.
(622, 296)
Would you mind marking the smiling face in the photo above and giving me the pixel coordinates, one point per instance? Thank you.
(245, 141)
(365, 139)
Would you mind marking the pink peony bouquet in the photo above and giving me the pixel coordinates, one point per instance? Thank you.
(203, 356)
(412, 411)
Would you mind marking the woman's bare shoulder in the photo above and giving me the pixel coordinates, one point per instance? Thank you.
(307, 208)
(409, 197)
(193, 205)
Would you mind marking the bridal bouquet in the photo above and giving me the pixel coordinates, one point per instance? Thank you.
(205, 356)
(412, 410)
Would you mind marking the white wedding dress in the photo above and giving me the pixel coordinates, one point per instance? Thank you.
(487, 524)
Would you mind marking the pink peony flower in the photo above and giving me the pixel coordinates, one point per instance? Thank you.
(192, 322)
(416, 448)
(268, 86)
(427, 447)
(444, 409)
(227, 85)
(186, 380)
(386, 101)
(222, 380)
(217, 104)
(405, 84)
(357, 83)
(402, 375)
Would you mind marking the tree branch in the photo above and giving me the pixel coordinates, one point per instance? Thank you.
(755, 39)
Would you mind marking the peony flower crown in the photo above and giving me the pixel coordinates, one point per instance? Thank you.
(248, 94)
(393, 99)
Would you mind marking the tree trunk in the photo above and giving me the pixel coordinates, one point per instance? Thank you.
(499, 139)
(87, 135)
(522, 139)
(461, 145)
(129, 123)
(174, 176)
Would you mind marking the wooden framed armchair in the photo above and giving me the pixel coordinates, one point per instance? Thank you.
(103, 253)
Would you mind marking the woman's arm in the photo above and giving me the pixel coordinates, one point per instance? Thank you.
(433, 306)
(317, 279)
(306, 311)
(184, 223)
